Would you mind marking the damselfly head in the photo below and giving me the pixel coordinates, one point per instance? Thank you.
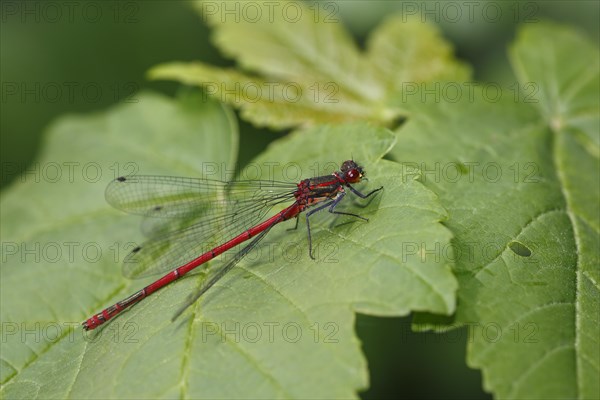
(351, 171)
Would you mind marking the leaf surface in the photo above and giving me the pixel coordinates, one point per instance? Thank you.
(298, 66)
(274, 327)
(519, 177)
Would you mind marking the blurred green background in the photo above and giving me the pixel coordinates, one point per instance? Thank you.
(83, 56)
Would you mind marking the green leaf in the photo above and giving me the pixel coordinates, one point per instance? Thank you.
(277, 307)
(570, 106)
(61, 241)
(566, 84)
(405, 51)
(519, 176)
(303, 68)
(264, 102)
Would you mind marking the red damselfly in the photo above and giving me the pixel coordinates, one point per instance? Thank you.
(189, 213)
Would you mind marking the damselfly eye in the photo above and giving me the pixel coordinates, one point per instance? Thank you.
(352, 171)
(353, 176)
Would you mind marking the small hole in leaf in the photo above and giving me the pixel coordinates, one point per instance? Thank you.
(462, 168)
(519, 249)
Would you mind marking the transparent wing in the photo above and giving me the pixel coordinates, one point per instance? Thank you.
(178, 197)
(187, 216)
